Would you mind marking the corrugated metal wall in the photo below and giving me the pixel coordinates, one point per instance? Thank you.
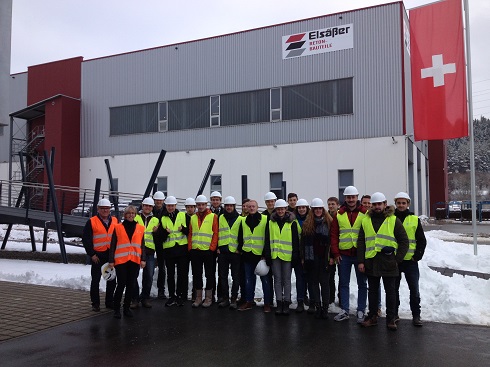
(250, 61)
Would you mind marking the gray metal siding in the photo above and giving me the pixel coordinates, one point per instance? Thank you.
(246, 61)
(17, 100)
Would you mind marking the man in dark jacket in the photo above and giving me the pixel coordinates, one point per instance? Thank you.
(409, 265)
(381, 246)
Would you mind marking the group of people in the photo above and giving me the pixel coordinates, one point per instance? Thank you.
(378, 240)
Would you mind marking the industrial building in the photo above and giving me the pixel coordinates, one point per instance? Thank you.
(309, 106)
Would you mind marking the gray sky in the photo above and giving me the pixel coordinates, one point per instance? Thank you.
(49, 30)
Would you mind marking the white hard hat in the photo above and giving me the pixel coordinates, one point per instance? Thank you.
(148, 201)
(402, 195)
(378, 197)
(301, 202)
(317, 203)
(350, 190)
(229, 200)
(202, 199)
(281, 203)
(190, 201)
(159, 195)
(107, 273)
(270, 196)
(215, 194)
(104, 202)
(171, 200)
(262, 268)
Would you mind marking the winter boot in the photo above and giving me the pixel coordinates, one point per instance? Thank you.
(208, 300)
(301, 307)
(391, 325)
(311, 308)
(233, 304)
(127, 312)
(224, 303)
(370, 321)
(198, 300)
(416, 321)
(279, 308)
(325, 312)
(117, 312)
(318, 312)
(285, 308)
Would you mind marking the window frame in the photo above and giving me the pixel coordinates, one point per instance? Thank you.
(214, 116)
(273, 110)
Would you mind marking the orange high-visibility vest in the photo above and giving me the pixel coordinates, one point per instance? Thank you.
(101, 237)
(127, 250)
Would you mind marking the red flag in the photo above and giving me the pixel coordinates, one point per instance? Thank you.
(438, 71)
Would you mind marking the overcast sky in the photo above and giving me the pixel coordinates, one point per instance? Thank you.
(49, 30)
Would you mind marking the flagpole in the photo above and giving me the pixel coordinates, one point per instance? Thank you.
(470, 117)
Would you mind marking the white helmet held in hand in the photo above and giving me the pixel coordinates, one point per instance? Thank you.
(350, 190)
(148, 201)
(202, 199)
(317, 203)
(158, 196)
(107, 273)
(262, 268)
(378, 197)
(190, 201)
(301, 202)
(229, 200)
(171, 200)
(270, 196)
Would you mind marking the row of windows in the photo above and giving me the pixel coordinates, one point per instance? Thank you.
(333, 97)
(277, 185)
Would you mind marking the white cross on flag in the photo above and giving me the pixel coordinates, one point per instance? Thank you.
(438, 71)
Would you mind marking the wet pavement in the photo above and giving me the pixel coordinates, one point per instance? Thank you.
(219, 337)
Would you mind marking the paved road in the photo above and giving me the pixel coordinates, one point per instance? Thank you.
(215, 337)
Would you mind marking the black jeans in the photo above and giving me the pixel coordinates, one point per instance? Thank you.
(182, 263)
(227, 260)
(198, 260)
(318, 281)
(389, 284)
(161, 269)
(126, 274)
(96, 274)
(412, 275)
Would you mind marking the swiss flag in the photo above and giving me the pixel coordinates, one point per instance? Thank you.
(438, 71)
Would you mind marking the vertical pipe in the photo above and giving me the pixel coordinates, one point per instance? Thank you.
(470, 117)
(98, 182)
(244, 187)
(113, 198)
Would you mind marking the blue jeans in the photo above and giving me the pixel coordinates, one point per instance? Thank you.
(147, 281)
(299, 273)
(344, 280)
(250, 280)
(411, 270)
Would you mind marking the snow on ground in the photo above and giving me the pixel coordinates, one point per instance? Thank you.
(457, 299)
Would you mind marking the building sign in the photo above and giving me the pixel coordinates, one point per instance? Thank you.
(318, 41)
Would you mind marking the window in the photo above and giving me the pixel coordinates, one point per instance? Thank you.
(275, 104)
(215, 183)
(333, 97)
(276, 184)
(214, 109)
(162, 184)
(134, 119)
(346, 178)
(162, 116)
(190, 113)
(245, 107)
